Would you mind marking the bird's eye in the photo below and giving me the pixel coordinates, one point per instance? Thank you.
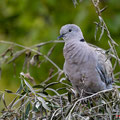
(70, 30)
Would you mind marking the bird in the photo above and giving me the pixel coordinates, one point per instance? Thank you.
(86, 66)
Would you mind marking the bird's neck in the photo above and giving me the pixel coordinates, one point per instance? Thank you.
(74, 39)
(75, 43)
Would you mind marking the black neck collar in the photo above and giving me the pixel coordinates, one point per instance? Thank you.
(82, 40)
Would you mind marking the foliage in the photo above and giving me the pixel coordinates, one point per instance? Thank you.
(43, 102)
(53, 98)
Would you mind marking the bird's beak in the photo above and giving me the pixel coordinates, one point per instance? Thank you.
(60, 36)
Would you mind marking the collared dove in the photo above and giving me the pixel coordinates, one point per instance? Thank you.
(87, 67)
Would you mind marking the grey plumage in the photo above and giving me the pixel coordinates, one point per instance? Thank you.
(86, 66)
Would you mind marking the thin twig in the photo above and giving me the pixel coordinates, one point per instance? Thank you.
(30, 48)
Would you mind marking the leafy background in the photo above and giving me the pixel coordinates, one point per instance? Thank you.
(30, 22)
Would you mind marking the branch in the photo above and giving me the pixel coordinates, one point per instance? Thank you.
(37, 45)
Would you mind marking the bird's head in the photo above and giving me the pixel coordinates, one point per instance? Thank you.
(70, 32)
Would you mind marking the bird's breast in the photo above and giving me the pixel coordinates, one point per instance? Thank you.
(79, 59)
(76, 53)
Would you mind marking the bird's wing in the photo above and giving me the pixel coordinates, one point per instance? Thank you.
(104, 66)
(105, 77)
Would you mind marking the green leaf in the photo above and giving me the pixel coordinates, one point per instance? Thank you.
(38, 86)
(53, 91)
(8, 91)
(69, 97)
(53, 83)
(29, 86)
(43, 103)
(27, 110)
(20, 88)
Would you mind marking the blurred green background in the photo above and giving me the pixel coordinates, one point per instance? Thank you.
(29, 22)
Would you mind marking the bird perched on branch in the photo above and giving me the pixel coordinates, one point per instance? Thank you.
(86, 66)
